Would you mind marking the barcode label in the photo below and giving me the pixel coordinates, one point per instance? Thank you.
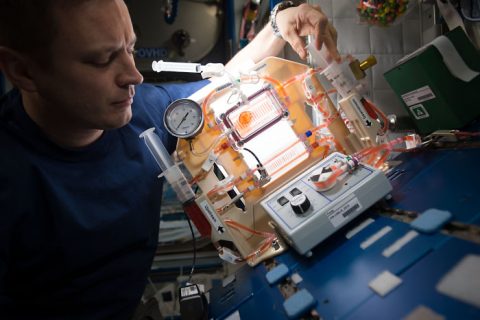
(344, 211)
(188, 291)
(352, 209)
(426, 97)
(418, 96)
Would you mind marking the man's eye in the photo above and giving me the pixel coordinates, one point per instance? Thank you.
(102, 62)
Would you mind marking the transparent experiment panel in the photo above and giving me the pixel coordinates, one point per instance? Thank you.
(261, 111)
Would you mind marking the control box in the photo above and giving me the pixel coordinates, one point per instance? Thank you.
(306, 216)
(434, 97)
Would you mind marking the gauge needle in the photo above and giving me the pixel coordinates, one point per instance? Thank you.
(183, 119)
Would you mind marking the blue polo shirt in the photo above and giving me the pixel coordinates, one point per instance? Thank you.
(79, 228)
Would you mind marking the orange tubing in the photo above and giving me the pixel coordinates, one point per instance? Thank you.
(264, 245)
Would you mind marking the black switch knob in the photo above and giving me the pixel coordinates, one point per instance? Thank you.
(300, 204)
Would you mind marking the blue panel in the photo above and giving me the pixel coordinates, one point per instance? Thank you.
(265, 305)
(337, 275)
(248, 282)
(446, 180)
(340, 279)
(418, 288)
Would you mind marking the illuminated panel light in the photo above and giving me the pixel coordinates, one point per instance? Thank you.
(248, 120)
(278, 148)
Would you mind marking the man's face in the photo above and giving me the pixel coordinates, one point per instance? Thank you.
(90, 82)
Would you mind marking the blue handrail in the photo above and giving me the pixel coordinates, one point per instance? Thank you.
(273, 3)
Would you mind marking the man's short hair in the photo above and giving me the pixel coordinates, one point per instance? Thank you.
(29, 26)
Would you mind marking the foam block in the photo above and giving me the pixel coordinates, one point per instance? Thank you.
(277, 274)
(299, 303)
(431, 220)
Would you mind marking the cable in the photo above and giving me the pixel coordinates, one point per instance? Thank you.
(255, 156)
(194, 260)
(264, 177)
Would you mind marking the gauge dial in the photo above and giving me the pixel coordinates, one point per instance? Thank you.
(184, 118)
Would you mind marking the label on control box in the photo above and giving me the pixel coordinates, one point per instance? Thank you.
(341, 212)
(418, 96)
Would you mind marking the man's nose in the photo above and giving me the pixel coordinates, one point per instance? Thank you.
(129, 75)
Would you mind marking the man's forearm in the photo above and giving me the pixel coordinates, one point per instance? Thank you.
(265, 44)
(292, 23)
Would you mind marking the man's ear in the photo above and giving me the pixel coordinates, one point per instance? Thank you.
(17, 69)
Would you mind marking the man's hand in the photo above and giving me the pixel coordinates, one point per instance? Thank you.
(297, 22)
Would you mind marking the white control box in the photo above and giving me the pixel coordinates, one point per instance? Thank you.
(306, 216)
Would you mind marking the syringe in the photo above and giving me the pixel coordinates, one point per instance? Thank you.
(176, 179)
(170, 171)
(208, 70)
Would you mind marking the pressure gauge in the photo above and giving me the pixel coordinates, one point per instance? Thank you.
(184, 118)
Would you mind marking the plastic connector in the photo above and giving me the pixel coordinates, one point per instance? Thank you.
(228, 255)
(209, 162)
(212, 70)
